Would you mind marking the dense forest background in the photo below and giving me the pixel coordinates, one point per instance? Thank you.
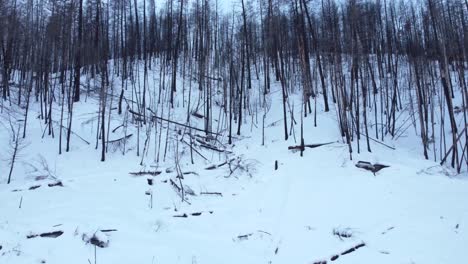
(384, 67)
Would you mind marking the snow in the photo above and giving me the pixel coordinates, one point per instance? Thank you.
(415, 211)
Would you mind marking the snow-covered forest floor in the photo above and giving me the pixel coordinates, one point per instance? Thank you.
(319, 207)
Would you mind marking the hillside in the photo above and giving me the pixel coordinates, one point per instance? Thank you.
(312, 208)
(315, 132)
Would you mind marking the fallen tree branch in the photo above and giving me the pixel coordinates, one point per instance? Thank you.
(52, 234)
(71, 131)
(196, 151)
(204, 145)
(244, 237)
(379, 142)
(215, 166)
(212, 193)
(55, 184)
(180, 124)
(370, 167)
(184, 215)
(120, 139)
(108, 230)
(346, 252)
(302, 147)
(143, 173)
(135, 113)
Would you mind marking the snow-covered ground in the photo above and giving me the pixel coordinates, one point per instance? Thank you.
(312, 208)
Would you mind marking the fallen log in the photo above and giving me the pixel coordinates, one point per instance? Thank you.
(244, 237)
(120, 139)
(346, 252)
(212, 193)
(370, 167)
(302, 147)
(353, 249)
(143, 173)
(180, 124)
(192, 148)
(71, 132)
(115, 129)
(211, 147)
(197, 115)
(182, 216)
(215, 166)
(190, 172)
(53, 234)
(135, 113)
(108, 230)
(388, 229)
(55, 184)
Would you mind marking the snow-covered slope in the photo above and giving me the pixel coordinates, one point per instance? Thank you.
(312, 208)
